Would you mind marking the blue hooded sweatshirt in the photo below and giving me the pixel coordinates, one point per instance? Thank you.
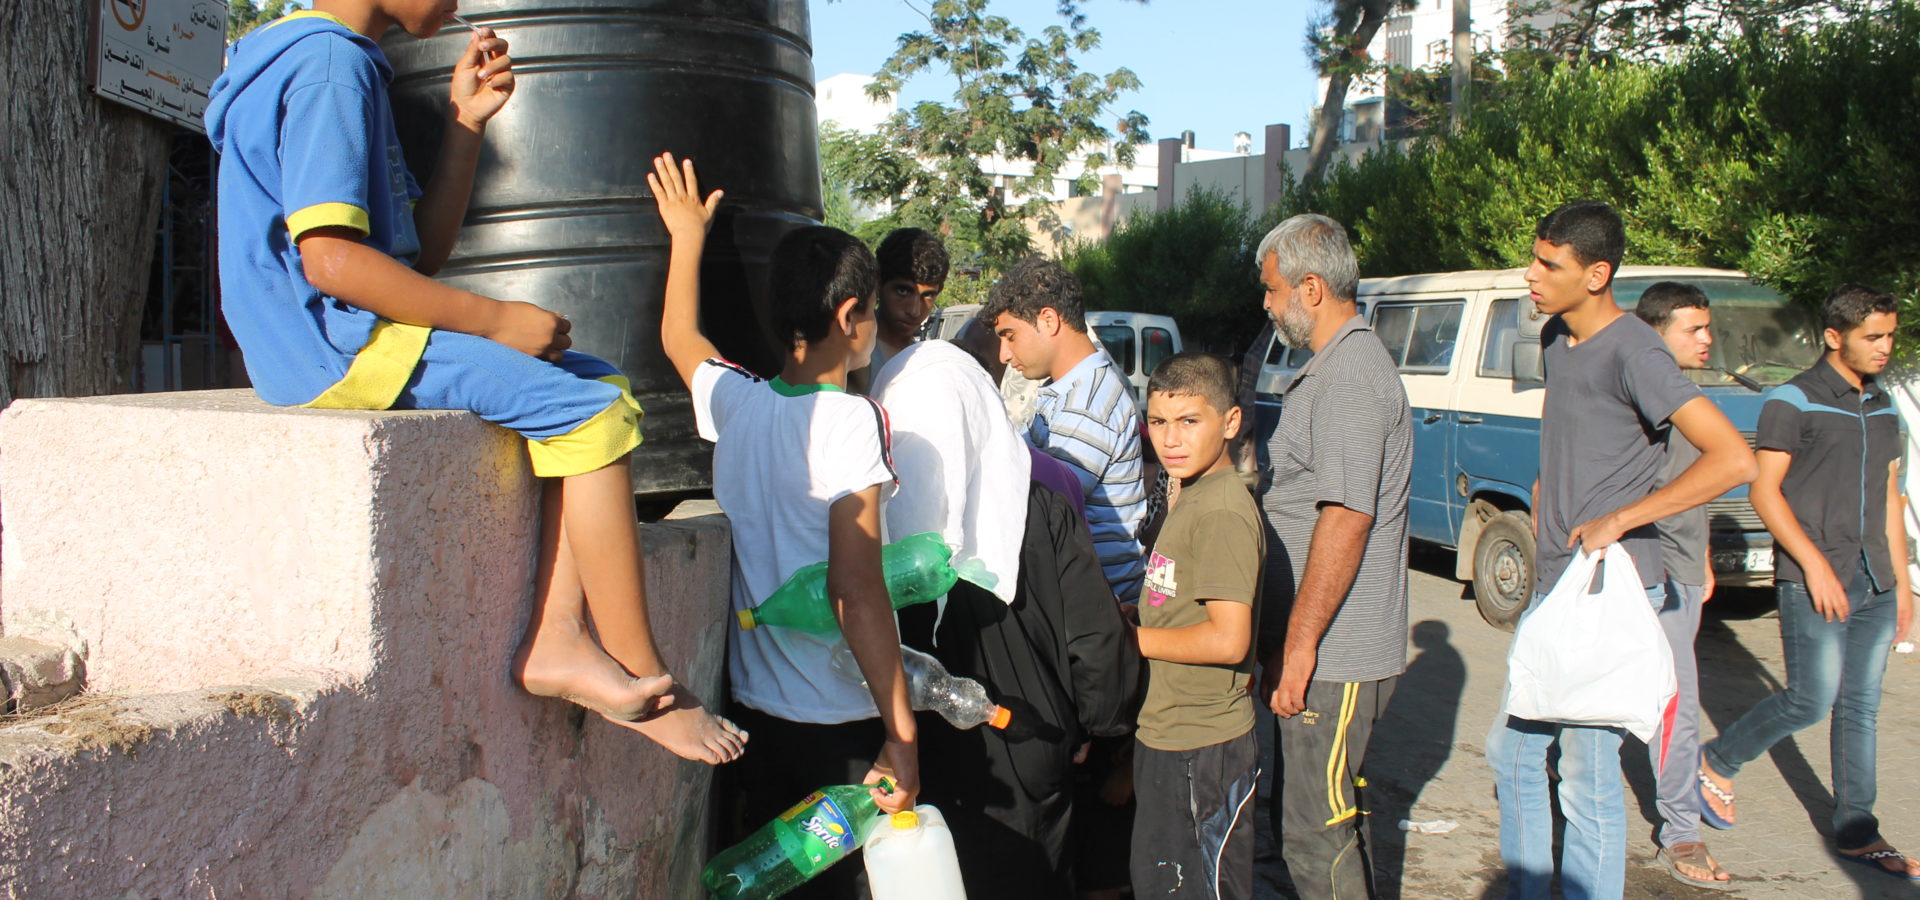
(306, 140)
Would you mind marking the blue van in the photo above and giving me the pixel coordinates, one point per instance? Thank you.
(1468, 348)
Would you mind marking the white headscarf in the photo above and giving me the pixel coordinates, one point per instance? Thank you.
(963, 468)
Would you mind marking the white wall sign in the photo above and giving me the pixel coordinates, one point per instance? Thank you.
(158, 56)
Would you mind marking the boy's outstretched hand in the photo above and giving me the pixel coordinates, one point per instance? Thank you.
(677, 192)
(482, 79)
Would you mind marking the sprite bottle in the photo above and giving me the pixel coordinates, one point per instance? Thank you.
(797, 845)
(917, 570)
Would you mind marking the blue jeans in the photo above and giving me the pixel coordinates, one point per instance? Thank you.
(1593, 859)
(1831, 666)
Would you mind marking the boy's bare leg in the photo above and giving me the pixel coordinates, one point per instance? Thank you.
(559, 657)
(604, 546)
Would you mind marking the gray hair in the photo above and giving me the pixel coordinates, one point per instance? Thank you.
(1310, 244)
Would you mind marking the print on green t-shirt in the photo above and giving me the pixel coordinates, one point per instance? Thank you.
(1210, 551)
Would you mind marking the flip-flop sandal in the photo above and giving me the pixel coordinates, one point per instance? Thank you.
(1873, 858)
(1694, 854)
(1703, 788)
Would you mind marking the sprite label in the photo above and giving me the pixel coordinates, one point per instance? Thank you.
(824, 832)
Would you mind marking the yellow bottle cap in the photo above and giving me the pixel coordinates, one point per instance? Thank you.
(746, 618)
(906, 819)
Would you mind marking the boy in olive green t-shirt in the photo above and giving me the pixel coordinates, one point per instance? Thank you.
(1196, 765)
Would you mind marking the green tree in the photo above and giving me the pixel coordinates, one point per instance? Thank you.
(1017, 96)
(1193, 262)
(1787, 155)
(1651, 30)
(1337, 46)
(243, 16)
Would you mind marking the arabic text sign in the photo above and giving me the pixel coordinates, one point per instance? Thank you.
(159, 56)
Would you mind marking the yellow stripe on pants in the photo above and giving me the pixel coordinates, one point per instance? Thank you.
(1337, 757)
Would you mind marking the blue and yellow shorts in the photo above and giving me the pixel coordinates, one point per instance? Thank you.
(578, 415)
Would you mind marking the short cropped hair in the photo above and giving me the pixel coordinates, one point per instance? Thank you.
(1661, 298)
(1850, 304)
(914, 254)
(814, 270)
(1594, 230)
(1310, 244)
(1034, 284)
(1196, 374)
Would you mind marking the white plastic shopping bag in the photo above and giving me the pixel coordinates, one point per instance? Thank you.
(1593, 657)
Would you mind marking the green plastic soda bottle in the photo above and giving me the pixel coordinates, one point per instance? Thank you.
(797, 845)
(916, 568)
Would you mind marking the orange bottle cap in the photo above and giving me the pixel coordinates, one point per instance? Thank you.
(1001, 716)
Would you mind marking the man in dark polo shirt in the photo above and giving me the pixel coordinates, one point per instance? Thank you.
(1337, 558)
(1829, 490)
(1613, 390)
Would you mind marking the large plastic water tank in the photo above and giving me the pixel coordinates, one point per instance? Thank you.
(561, 215)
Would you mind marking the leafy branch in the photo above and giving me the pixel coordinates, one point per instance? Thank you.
(1017, 97)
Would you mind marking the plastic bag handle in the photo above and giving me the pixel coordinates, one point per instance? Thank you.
(1620, 568)
(1579, 572)
(1614, 561)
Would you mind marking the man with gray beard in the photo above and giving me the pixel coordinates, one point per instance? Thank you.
(1334, 633)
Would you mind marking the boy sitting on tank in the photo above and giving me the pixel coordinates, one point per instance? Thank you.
(327, 246)
(1196, 762)
(913, 271)
(800, 466)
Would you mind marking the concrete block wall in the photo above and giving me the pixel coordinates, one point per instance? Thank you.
(296, 627)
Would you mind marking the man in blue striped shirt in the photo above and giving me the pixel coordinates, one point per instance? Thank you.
(1085, 415)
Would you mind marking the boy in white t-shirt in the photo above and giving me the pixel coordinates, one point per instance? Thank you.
(800, 467)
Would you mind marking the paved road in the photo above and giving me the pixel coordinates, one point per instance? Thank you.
(1427, 763)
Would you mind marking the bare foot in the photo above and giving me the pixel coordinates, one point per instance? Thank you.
(689, 730)
(567, 663)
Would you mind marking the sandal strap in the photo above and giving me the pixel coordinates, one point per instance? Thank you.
(1877, 855)
(1693, 853)
(1719, 793)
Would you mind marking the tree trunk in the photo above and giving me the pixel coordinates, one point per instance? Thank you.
(79, 200)
(1373, 14)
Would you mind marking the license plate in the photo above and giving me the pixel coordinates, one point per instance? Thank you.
(1760, 559)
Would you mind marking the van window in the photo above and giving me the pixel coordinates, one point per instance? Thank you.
(1503, 328)
(1156, 345)
(1119, 343)
(1420, 336)
(1276, 348)
(1757, 332)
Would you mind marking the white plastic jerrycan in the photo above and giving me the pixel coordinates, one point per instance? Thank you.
(910, 857)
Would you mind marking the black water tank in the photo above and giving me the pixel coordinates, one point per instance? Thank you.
(561, 215)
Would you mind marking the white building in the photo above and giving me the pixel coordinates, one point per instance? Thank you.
(842, 101)
(1421, 39)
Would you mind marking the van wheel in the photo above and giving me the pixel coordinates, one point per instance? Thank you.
(1503, 569)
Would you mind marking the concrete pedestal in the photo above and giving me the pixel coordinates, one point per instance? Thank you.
(296, 627)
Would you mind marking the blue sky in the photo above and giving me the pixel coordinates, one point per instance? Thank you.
(1212, 66)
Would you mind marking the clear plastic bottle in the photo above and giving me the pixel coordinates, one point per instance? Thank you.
(916, 568)
(797, 845)
(962, 701)
(910, 856)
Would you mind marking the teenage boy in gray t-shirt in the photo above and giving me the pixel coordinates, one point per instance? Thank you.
(1679, 313)
(1612, 389)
